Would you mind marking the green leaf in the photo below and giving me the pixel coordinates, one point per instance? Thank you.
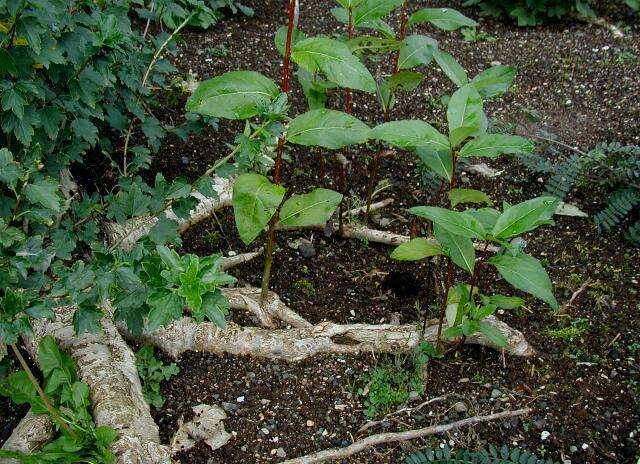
(506, 302)
(10, 170)
(487, 216)
(410, 134)
(454, 221)
(87, 319)
(13, 101)
(371, 10)
(105, 435)
(405, 80)
(494, 81)
(85, 129)
(215, 307)
(45, 193)
(170, 258)
(335, 61)
(416, 249)
(327, 128)
(165, 307)
(255, 201)
(443, 18)
(526, 273)
(440, 162)
(524, 217)
(460, 249)
(164, 231)
(465, 115)
(451, 68)
(493, 334)
(280, 38)
(416, 50)
(494, 145)
(457, 196)
(311, 208)
(233, 95)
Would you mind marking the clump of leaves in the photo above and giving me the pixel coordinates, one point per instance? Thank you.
(82, 441)
(391, 383)
(491, 455)
(153, 371)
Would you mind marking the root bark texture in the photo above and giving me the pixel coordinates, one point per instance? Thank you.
(107, 365)
(300, 343)
(390, 437)
(32, 433)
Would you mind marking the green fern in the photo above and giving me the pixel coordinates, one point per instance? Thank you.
(618, 208)
(492, 455)
(633, 234)
(565, 177)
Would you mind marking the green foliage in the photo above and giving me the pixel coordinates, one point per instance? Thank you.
(153, 371)
(612, 168)
(71, 399)
(327, 128)
(491, 455)
(390, 383)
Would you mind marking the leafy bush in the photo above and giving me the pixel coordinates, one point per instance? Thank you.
(80, 440)
(492, 455)
(533, 12)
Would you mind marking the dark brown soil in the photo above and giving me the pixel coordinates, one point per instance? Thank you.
(584, 384)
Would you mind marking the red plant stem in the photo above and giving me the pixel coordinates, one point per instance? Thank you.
(476, 270)
(402, 36)
(348, 105)
(277, 176)
(322, 166)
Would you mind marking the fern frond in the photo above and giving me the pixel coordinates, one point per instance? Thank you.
(492, 455)
(618, 207)
(633, 234)
(535, 163)
(565, 176)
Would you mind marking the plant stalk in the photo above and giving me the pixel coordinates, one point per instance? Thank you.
(55, 415)
(402, 35)
(271, 235)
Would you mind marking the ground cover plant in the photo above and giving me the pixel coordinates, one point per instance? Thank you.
(168, 237)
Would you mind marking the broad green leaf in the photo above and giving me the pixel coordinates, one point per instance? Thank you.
(371, 10)
(335, 61)
(451, 68)
(85, 129)
(457, 196)
(369, 45)
(416, 50)
(440, 162)
(349, 3)
(506, 302)
(255, 201)
(493, 334)
(342, 15)
(87, 319)
(460, 249)
(44, 192)
(10, 170)
(524, 217)
(164, 231)
(405, 80)
(165, 307)
(494, 81)
(416, 249)
(215, 307)
(487, 216)
(281, 38)
(233, 95)
(169, 257)
(327, 128)
(454, 221)
(526, 273)
(494, 145)
(443, 18)
(410, 134)
(465, 115)
(457, 298)
(315, 207)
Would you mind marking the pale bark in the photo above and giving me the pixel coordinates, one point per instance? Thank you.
(107, 365)
(390, 437)
(32, 433)
(300, 343)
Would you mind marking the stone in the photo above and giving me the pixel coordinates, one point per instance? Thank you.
(460, 407)
(495, 393)
(281, 453)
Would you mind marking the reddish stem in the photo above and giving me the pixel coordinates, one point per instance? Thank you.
(347, 93)
(402, 36)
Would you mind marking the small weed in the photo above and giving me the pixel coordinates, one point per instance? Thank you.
(471, 34)
(219, 51)
(152, 372)
(576, 329)
(212, 238)
(306, 287)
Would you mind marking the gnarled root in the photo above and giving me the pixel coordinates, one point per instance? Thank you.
(107, 365)
(300, 343)
(32, 433)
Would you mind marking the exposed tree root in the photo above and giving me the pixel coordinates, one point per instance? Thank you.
(33, 432)
(300, 343)
(382, 438)
(107, 365)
